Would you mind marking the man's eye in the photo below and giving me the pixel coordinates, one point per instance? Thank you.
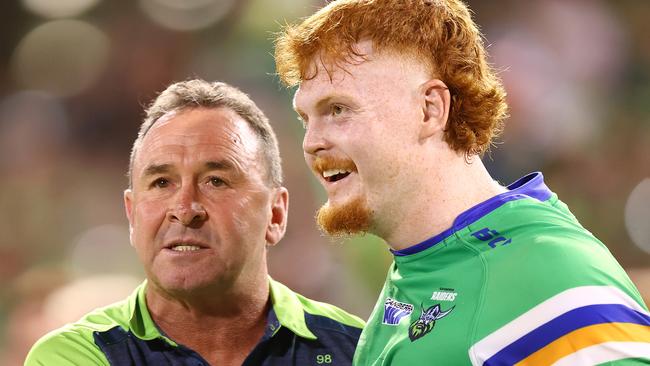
(160, 183)
(216, 181)
(336, 110)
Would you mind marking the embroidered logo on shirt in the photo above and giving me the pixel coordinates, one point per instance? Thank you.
(426, 321)
(394, 311)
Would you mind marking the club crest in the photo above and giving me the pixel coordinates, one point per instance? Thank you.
(424, 324)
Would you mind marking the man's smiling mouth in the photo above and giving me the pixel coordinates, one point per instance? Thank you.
(333, 175)
(332, 169)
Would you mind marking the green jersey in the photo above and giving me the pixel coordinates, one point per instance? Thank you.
(515, 281)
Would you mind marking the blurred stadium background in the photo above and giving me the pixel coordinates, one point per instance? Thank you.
(75, 74)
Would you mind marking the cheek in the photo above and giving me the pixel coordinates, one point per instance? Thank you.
(380, 152)
(245, 215)
(148, 216)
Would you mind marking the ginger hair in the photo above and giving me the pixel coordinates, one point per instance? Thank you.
(439, 33)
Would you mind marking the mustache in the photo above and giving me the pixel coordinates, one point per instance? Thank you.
(321, 164)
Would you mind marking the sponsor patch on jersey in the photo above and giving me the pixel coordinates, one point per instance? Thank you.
(394, 311)
(427, 320)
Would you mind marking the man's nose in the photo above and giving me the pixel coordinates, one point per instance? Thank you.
(315, 139)
(187, 210)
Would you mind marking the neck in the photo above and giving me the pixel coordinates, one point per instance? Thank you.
(222, 324)
(441, 195)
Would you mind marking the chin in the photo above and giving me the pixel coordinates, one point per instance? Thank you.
(344, 219)
(184, 282)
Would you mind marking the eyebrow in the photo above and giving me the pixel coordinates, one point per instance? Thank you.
(219, 165)
(155, 169)
(324, 101)
(321, 103)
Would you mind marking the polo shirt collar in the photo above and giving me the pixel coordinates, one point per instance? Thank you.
(140, 320)
(286, 305)
(289, 310)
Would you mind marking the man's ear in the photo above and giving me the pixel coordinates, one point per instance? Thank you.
(278, 221)
(128, 208)
(436, 103)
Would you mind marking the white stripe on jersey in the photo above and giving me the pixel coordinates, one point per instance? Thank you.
(548, 310)
(605, 352)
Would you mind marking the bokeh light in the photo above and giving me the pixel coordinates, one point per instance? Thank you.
(62, 57)
(72, 301)
(260, 18)
(58, 8)
(637, 214)
(32, 124)
(186, 15)
(104, 249)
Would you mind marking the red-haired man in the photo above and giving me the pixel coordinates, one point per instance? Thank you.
(399, 103)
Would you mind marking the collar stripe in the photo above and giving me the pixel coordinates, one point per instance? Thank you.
(530, 186)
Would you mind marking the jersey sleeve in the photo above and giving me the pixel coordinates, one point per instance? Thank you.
(586, 325)
(65, 348)
(562, 302)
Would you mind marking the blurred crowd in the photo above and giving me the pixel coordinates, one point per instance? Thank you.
(75, 75)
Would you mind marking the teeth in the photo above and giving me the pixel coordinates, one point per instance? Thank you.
(333, 172)
(185, 248)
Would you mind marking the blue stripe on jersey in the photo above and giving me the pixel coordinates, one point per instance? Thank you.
(530, 186)
(564, 324)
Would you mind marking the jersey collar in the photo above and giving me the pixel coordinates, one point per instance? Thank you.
(529, 186)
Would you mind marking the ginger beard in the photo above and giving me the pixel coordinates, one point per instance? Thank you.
(351, 217)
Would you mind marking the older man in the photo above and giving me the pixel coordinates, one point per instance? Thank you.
(205, 202)
(398, 103)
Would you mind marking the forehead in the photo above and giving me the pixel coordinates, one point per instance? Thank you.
(197, 133)
(375, 72)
